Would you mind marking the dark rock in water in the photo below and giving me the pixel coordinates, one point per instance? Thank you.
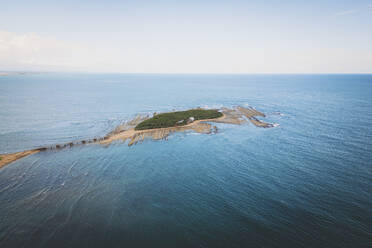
(58, 146)
(215, 129)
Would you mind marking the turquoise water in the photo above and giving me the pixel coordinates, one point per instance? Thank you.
(305, 183)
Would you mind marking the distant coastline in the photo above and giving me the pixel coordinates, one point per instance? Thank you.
(10, 73)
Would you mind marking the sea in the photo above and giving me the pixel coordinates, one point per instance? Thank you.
(307, 182)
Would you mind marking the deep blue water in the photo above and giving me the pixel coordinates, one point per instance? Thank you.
(306, 183)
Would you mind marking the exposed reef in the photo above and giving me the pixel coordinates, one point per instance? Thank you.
(127, 130)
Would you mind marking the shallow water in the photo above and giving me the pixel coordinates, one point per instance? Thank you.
(305, 183)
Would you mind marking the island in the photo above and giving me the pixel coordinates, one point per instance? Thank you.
(160, 126)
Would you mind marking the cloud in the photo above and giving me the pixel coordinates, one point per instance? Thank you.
(32, 51)
(345, 12)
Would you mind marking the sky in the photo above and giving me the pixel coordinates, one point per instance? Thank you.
(186, 36)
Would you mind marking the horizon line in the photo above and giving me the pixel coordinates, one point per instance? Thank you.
(191, 73)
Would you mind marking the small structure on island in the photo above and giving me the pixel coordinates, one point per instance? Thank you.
(190, 120)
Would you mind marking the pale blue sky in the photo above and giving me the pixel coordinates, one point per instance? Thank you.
(187, 37)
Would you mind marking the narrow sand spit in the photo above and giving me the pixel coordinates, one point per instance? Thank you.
(8, 158)
(126, 131)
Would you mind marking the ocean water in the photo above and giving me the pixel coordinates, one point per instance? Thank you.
(304, 183)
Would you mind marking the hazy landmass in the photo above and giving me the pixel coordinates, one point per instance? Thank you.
(10, 73)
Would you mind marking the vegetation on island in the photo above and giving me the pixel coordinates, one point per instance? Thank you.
(179, 118)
